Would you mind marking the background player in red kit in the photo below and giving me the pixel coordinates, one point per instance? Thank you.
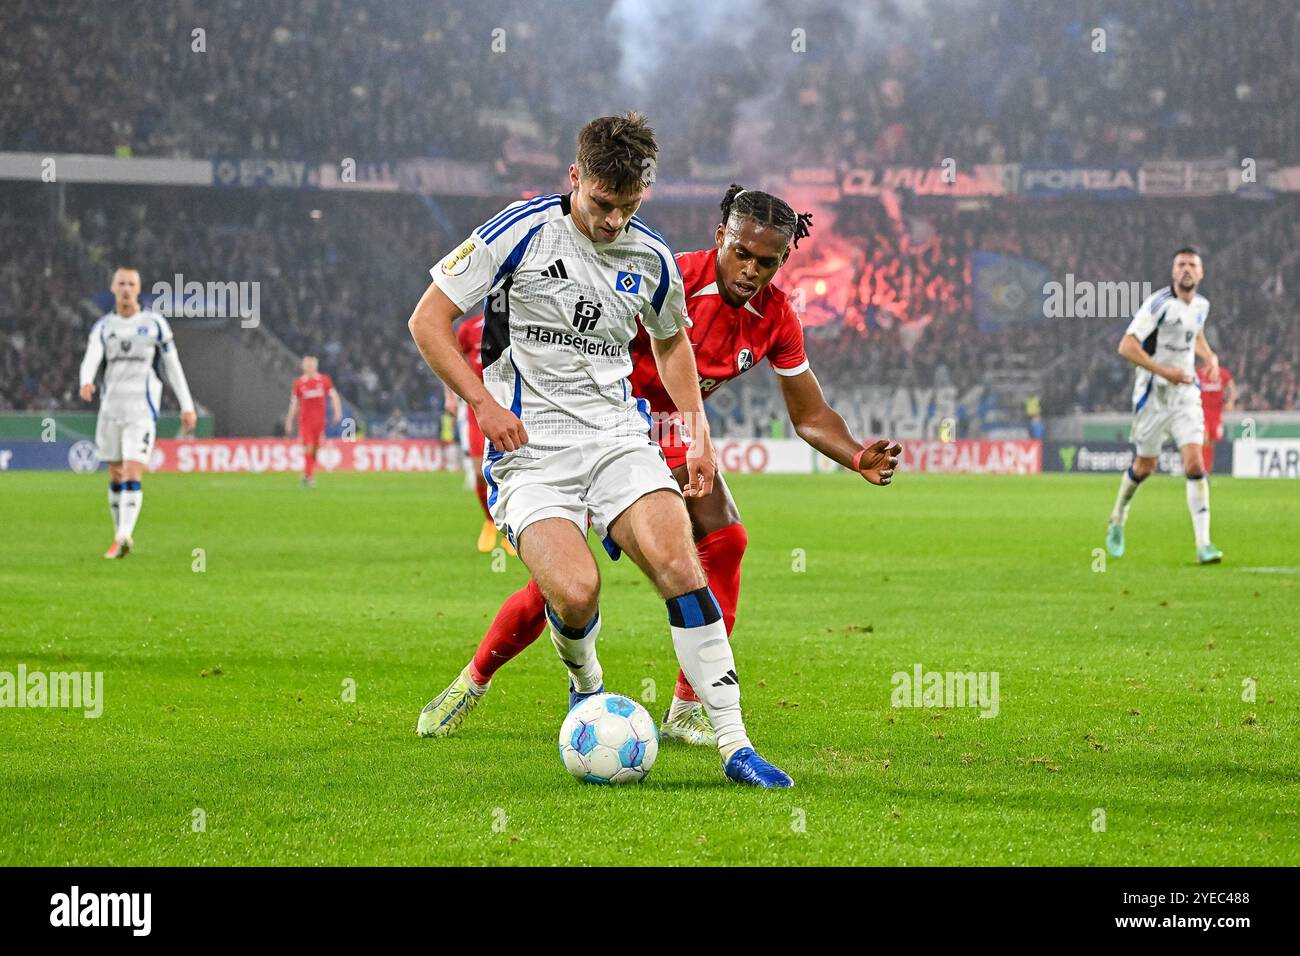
(469, 335)
(737, 319)
(310, 389)
(1217, 396)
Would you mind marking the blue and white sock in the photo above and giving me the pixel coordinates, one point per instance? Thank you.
(115, 503)
(1198, 506)
(132, 501)
(577, 648)
(704, 654)
(1128, 486)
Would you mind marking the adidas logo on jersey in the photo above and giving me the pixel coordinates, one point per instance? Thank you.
(556, 270)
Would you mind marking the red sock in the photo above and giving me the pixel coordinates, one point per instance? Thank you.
(720, 556)
(1207, 456)
(480, 489)
(311, 463)
(520, 621)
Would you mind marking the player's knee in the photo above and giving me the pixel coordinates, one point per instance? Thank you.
(735, 538)
(1142, 467)
(576, 600)
(680, 572)
(740, 536)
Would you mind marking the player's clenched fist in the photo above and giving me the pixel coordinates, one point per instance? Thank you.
(877, 461)
(501, 427)
(87, 391)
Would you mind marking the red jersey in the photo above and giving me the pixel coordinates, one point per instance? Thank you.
(470, 336)
(727, 341)
(311, 393)
(1212, 393)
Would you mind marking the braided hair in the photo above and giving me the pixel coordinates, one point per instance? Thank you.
(766, 210)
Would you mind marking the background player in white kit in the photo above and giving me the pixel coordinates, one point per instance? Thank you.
(131, 343)
(1163, 341)
(566, 278)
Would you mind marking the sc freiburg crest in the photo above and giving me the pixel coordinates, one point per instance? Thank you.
(744, 359)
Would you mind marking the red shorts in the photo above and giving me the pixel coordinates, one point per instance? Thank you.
(672, 444)
(473, 435)
(311, 433)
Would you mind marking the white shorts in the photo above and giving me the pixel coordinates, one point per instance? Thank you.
(600, 479)
(1184, 423)
(120, 440)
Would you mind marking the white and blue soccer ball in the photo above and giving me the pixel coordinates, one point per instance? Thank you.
(609, 738)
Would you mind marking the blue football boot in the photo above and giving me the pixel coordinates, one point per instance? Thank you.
(745, 766)
(575, 698)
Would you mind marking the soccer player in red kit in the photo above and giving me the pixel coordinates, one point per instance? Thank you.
(469, 335)
(1217, 395)
(310, 389)
(738, 318)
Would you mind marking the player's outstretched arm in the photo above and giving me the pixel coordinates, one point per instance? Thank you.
(1131, 349)
(824, 428)
(430, 326)
(675, 360)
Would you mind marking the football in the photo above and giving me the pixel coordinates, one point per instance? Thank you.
(609, 738)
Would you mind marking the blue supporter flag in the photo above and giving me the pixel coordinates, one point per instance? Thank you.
(1008, 290)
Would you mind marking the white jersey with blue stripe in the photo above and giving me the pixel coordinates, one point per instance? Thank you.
(559, 314)
(133, 351)
(1167, 328)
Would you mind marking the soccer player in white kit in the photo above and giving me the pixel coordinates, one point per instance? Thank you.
(1163, 341)
(131, 343)
(566, 277)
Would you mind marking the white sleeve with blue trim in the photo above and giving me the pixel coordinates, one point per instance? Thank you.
(479, 265)
(666, 315)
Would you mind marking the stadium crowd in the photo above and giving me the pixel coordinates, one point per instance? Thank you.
(323, 80)
(886, 296)
(1020, 81)
(869, 82)
(887, 286)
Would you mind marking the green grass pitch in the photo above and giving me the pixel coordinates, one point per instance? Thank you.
(1121, 690)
